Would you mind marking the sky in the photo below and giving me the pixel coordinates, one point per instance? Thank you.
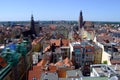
(93, 10)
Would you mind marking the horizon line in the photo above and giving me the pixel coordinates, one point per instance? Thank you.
(57, 20)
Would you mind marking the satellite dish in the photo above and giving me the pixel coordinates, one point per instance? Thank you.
(114, 78)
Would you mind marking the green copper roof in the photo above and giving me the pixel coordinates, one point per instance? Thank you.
(4, 71)
(11, 56)
(21, 48)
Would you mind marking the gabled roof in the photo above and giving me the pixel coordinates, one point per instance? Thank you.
(65, 62)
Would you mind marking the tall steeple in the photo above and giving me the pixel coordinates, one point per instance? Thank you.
(32, 26)
(80, 20)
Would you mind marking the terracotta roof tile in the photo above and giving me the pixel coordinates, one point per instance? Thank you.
(51, 64)
(52, 27)
(52, 68)
(60, 63)
(37, 68)
(62, 73)
(35, 41)
(46, 49)
(65, 42)
(57, 42)
(115, 61)
(88, 23)
(34, 74)
(92, 50)
(102, 38)
(42, 62)
(3, 63)
(67, 62)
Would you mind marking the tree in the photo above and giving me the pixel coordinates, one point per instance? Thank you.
(105, 62)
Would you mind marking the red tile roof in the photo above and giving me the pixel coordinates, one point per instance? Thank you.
(52, 27)
(88, 23)
(3, 63)
(62, 73)
(46, 49)
(42, 62)
(37, 68)
(60, 63)
(65, 42)
(115, 61)
(35, 41)
(103, 38)
(68, 62)
(52, 64)
(34, 74)
(52, 68)
(57, 42)
(90, 47)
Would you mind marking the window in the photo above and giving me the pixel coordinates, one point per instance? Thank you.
(83, 55)
(76, 58)
(89, 50)
(77, 49)
(86, 55)
(34, 78)
(79, 55)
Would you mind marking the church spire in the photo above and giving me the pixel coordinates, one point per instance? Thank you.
(32, 25)
(81, 20)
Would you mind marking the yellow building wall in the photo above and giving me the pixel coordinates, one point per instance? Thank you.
(98, 56)
(62, 73)
(36, 47)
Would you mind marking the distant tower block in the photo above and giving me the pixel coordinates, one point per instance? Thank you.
(33, 26)
(80, 20)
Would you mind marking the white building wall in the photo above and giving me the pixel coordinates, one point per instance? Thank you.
(71, 50)
(105, 56)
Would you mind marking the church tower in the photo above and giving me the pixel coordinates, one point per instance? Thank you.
(33, 26)
(80, 20)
